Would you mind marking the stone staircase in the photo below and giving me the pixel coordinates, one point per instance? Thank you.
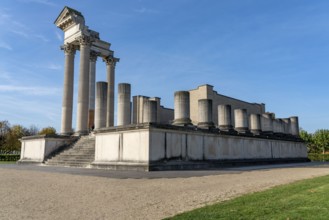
(81, 154)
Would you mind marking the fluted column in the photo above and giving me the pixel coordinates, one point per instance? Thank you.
(205, 113)
(101, 104)
(110, 71)
(241, 120)
(224, 117)
(150, 111)
(182, 108)
(124, 116)
(67, 104)
(83, 92)
(92, 83)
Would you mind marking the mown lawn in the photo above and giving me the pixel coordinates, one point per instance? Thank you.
(307, 199)
(7, 162)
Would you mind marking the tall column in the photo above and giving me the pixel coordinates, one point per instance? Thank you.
(182, 108)
(224, 117)
(83, 92)
(205, 113)
(294, 125)
(101, 104)
(255, 126)
(92, 83)
(278, 127)
(110, 71)
(241, 120)
(150, 111)
(267, 123)
(123, 113)
(67, 104)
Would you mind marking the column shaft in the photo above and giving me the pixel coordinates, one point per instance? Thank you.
(267, 123)
(182, 108)
(224, 117)
(67, 104)
(255, 126)
(83, 92)
(205, 113)
(92, 83)
(241, 120)
(294, 126)
(150, 111)
(101, 104)
(124, 116)
(110, 70)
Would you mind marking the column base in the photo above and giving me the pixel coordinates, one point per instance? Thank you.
(182, 122)
(206, 125)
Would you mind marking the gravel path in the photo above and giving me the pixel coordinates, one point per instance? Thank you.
(31, 194)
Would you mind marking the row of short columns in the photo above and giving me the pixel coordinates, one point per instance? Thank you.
(124, 106)
(254, 123)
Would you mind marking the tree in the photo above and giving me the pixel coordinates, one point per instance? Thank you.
(4, 129)
(321, 139)
(12, 142)
(308, 138)
(47, 130)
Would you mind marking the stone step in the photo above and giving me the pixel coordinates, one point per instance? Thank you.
(70, 164)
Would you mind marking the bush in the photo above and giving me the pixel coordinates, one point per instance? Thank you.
(318, 157)
(9, 157)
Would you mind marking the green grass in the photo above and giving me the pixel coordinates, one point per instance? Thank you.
(307, 199)
(7, 162)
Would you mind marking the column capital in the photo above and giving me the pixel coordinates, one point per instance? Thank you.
(93, 56)
(85, 40)
(111, 60)
(69, 49)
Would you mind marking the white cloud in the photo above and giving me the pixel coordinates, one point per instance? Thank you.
(32, 90)
(44, 2)
(144, 10)
(5, 46)
(59, 36)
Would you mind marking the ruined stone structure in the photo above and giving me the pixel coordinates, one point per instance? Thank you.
(205, 129)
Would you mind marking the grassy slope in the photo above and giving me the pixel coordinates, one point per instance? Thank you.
(308, 199)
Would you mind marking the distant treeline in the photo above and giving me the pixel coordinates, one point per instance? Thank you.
(317, 142)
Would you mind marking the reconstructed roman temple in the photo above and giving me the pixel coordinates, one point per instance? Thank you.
(204, 130)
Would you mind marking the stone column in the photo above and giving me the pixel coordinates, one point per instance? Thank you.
(286, 125)
(205, 113)
(255, 126)
(83, 92)
(224, 117)
(278, 127)
(182, 108)
(67, 104)
(294, 126)
(110, 70)
(150, 111)
(124, 104)
(241, 120)
(267, 123)
(92, 83)
(101, 104)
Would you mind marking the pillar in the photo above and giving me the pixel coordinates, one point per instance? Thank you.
(205, 113)
(278, 127)
(101, 105)
(110, 71)
(123, 104)
(286, 125)
(255, 125)
(83, 91)
(294, 125)
(150, 111)
(67, 104)
(267, 123)
(224, 117)
(92, 83)
(182, 108)
(241, 120)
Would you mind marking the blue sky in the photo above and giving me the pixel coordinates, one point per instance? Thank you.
(272, 52)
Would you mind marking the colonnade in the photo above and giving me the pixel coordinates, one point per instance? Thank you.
(86, 88)
(243, 122)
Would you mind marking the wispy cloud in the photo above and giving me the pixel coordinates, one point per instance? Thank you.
(30, 90)
(44, 2)
(144, 10)
(53, 66)
(59, 36)
(4, 45)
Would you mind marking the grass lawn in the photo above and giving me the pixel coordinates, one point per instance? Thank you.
(7, 162)
(307, 199)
